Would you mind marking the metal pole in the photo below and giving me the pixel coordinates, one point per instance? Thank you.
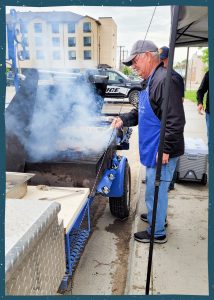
(120, 56)
(174, 24)
(186, 70)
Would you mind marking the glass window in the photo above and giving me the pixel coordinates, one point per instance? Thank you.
(114, 77)
(26, 54)
(56, 55)
(55, 27)
(38, 41)
(25, 41)
(23, 27)
(87, 54)
(71, 42)
(38, 27)
(56, 42)
(87, 27)
(72, 55)
(40, 54)
(71, 27)
(87, 41)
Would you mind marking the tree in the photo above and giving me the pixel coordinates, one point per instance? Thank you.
(205, 58)
(127, 70)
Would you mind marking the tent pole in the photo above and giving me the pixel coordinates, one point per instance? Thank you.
(187, 63)
(174, 24)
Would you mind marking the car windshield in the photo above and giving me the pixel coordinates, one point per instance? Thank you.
(123, 75)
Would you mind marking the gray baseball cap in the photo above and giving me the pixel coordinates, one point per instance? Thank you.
(141, 46)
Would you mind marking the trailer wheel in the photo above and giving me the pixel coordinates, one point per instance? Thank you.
(204, 179)
(120, 206)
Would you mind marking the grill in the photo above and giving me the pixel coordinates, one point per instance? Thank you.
(69, 167)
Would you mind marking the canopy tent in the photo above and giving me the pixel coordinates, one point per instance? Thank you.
(189, 27)
(192, 29)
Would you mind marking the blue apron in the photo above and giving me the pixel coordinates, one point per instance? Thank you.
(148, 129)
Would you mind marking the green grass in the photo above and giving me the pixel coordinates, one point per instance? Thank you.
(191, 95)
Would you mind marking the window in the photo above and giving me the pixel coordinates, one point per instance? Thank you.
(23, 27)
(40, 54)
(56, 55)
(56, 42)
(72, 55)
(71, 42)
(86, 27)
(87, 41)
(55, 27)
(25, 41)
(71, 27)
(38, 41)
(25, 54)
(87, 54)
(38, 27)
(114, 78)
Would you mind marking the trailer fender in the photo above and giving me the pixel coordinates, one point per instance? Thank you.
(117, 187)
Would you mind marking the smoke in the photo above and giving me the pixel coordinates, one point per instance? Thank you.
(64, 117)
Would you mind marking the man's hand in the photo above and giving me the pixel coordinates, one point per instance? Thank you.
(117, 123)
(200, 109)
(165, 158)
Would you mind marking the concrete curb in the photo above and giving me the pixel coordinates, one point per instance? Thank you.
(137, 223)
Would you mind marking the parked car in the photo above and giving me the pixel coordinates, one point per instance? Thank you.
(119, 85)
(10, 78)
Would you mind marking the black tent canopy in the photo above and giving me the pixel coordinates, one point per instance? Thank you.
(192, 28)
(189, 27)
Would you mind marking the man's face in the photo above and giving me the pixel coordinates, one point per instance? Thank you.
(142, 64)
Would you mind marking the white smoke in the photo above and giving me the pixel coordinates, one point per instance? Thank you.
(64, 118)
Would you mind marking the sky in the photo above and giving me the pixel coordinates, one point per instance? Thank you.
(132, 24)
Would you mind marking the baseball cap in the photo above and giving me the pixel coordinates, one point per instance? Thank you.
(164, 52)
(141, 46)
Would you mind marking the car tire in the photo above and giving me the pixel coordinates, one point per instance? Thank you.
(204, 179)
(120, 206)
(134, 97)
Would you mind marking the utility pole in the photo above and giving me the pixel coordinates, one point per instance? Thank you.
(120, 61)
(124, 51)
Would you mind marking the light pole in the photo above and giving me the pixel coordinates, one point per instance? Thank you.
(120, 64)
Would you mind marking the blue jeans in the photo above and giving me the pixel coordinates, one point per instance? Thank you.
(166, 177)
(208, 125)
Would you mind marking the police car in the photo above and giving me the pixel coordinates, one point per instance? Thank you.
(119, 85)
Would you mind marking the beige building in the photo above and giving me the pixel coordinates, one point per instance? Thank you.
(195, 72)
(64, 40)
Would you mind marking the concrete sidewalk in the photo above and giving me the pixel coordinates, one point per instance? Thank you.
(180, 266)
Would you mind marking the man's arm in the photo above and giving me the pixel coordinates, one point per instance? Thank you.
(127, 119)
(130, 118)
(175, 119)
(201, 91)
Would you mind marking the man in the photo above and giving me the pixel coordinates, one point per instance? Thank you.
(145, 60)
(164, 54)
(164, 57)
(203, 89)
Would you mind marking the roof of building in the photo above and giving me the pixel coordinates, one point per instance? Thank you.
(52, 16)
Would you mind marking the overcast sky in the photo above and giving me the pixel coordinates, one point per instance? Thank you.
(132, 23)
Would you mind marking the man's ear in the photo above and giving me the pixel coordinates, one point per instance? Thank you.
(149, 56)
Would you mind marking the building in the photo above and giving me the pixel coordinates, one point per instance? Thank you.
(195, 72)
(64, 40)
